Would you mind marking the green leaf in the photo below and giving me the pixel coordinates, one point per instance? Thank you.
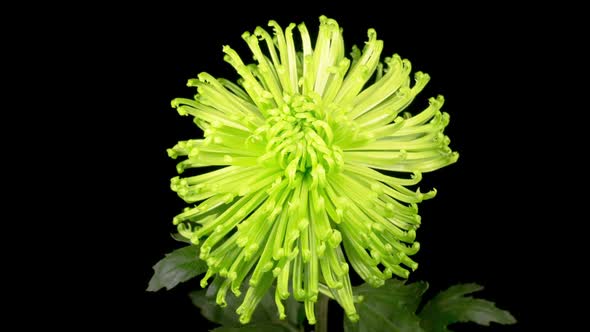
(265, 317)
(452, 306)
(215, 313)
(269, 327)
(390, 307)
(178, 266)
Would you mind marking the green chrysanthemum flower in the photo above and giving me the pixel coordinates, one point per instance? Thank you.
(301, 144)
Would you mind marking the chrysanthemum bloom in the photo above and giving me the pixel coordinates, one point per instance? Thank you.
(301, 140)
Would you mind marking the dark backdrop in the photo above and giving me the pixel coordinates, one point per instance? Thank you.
(475, 230)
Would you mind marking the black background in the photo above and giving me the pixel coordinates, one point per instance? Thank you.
(486, 224)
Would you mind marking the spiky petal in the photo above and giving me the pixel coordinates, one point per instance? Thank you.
(300, 142)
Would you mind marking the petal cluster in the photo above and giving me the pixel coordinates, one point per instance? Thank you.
(300, 143)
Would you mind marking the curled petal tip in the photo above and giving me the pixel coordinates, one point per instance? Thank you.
(411, 234)
(282, 137)
(353, 317)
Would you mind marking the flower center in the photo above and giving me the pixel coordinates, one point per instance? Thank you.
(300, 138)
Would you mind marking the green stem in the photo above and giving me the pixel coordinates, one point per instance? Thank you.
(322, 314)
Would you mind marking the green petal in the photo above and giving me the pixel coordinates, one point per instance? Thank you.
(300, 139)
